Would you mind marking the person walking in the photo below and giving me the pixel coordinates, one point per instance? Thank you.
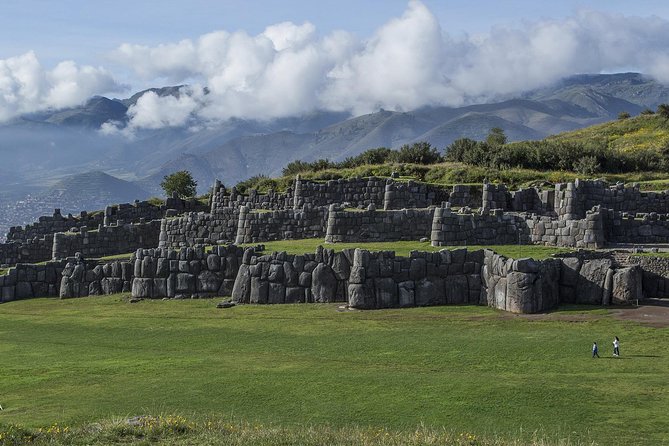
(595, 350)
(616, 346)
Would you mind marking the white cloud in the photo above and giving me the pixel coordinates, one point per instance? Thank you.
(409, 62)
(25, 86)
(290, 69)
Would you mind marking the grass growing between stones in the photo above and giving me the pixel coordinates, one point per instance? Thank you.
(404, 248)
(313, 368)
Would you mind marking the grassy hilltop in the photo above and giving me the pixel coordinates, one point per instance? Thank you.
(630, 150)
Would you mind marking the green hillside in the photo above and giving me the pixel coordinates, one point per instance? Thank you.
(642, 132)
(629, 150)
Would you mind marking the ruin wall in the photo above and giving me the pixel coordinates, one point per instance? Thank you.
(378, 226)
(187, 273)
(506, 228)
(287, 224)
(199, 228)
(107, 240)
(25, 281)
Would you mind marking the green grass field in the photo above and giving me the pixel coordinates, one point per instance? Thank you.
(404, 248)
(463, 369)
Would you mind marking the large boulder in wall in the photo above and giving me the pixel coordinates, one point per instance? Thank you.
(429, 291)
(323, 284)
(386, 292)
(569, 277)
(592, 281)
(242, 288)
(259, 291)
(627, 285)
(208, 282)
(406, 293)
(361, 296)
(142, 287)
(456, 289)
(520, 296)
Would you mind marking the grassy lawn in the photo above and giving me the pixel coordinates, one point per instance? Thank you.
(466, 369)
(404, 248)
(125, 256)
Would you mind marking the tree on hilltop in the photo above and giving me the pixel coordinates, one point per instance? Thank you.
(181, 183)
(663, 110)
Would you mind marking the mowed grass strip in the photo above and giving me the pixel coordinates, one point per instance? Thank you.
(404, 248)
(465, 368)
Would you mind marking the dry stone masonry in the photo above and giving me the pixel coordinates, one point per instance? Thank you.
(378, 226)
(287, 224)
(26, 281)
(218, 227)
(106, 240)
(188, 273)
(170, 260)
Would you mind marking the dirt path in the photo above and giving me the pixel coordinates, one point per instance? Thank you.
(653, 312)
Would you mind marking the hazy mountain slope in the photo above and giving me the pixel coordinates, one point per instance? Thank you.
(198, 167)
(93, 114)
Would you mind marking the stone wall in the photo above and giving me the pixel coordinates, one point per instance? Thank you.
(623, 227)
(413, 195)
(353, 191)
(192, 229)
(188, 273)
(655, 271)
(488, 228)
(383, 280)
(496, 196)
(26, 281)
(504, 228)
(50, 224)
(287, 224)
(26, 251)
(107, 240)
(81, 278)
(140, 211)
(378, 226)
(572, 200)
(588, 232)
(222, 199)
(520, 286)
(282, 278)
(465, 195)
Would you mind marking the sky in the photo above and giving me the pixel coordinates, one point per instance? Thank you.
(264, 59)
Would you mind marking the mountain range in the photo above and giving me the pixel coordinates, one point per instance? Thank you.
(42, 150)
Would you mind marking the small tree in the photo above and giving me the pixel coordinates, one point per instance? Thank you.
(647, 111)
(496, 137)
(663, 110)
(181, 183)
(624, 115)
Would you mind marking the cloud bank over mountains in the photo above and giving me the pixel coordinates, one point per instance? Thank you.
(25, 86)
(290, 69)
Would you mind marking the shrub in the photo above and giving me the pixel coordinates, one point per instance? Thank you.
(417, 153)
(587, 165)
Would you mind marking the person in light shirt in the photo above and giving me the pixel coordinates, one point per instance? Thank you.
(616, 346)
